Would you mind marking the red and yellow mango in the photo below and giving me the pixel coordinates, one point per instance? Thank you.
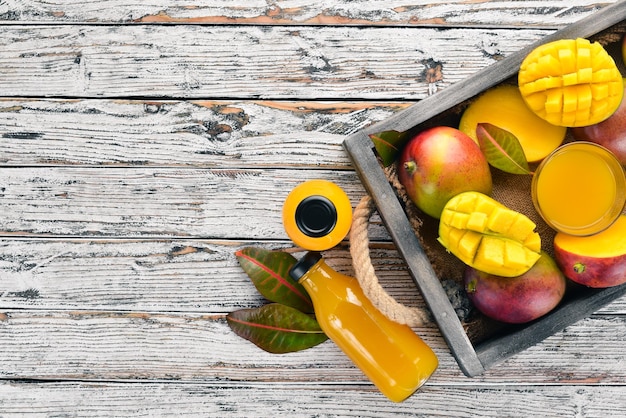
(597, 260)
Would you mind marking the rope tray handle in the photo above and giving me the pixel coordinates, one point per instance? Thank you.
(366, 276)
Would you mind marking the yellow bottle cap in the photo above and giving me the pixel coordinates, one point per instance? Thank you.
(317, 215)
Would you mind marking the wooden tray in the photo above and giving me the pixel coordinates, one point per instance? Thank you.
(474, 357)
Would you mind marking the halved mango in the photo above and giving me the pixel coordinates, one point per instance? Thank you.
(571, 82)
(488, 236)
(597, 260)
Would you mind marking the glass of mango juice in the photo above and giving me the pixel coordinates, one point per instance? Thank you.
(579, 189)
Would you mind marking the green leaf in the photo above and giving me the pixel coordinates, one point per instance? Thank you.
(276, 328)
(502, 149)
(388, 144)
(269, 272)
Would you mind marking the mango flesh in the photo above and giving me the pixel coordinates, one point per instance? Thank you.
(488, 236)
(439, 163)
(504, 107)
(610, 133)
(518, 299)
(598, 260)
(571, 82)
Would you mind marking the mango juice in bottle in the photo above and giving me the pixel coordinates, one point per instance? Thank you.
(390, 354)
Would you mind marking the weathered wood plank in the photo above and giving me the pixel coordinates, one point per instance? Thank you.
(248, 62)
(164, 275)
(135, 345)
(303, 400)
(341, 12)
(76, 345)
(218, 134)
(166, 202)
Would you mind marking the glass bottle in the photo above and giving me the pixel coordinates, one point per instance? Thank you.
(390, 354)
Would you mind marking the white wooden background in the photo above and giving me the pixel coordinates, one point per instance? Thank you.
(143, 143)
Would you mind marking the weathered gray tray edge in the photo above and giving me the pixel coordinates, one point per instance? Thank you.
(472, 360)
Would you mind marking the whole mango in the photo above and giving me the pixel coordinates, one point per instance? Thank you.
(486, 235)
(597, 260)
(439, 163)
(504, 107)
(520, 299)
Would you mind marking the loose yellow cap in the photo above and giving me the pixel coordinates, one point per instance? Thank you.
(317, 215)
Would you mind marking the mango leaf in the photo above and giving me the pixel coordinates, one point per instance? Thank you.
(276, 328)
(502, 149)
(388, 145)
(269, 272)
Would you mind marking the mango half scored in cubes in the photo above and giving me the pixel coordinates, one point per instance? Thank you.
(486, 235)
(571, 82)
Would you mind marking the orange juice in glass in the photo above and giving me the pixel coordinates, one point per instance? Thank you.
(579, 189)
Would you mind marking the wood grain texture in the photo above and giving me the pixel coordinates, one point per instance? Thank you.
(245, 62)
(307, 12)
(156, 275)
(164, 275)
(211, 134)
(166, 202)
(96, 345)
(301, 400)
